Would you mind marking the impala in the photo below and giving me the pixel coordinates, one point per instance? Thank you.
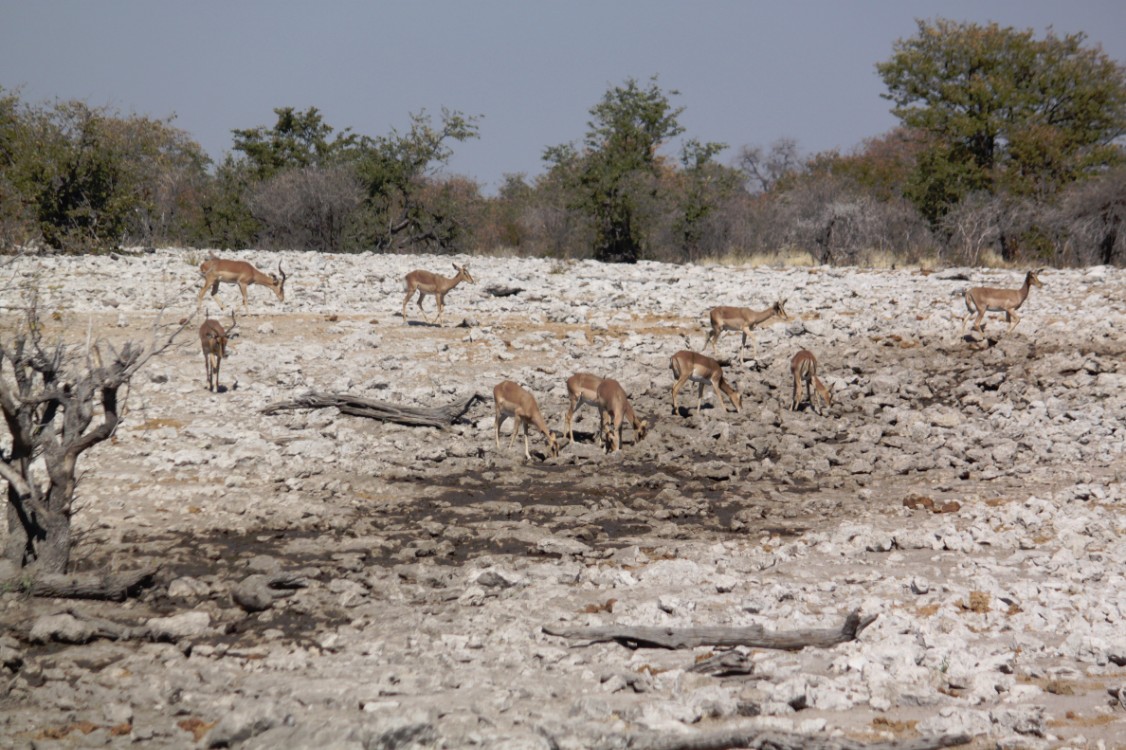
(426, 283)
(688, 365)
(213, 338)
(981, 299)
(582, 388)
(513, 401)
(742, 319)
(804, 369)
(613, 409)
(216, 270)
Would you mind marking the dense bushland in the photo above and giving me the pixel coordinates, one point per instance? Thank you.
(1009, 149)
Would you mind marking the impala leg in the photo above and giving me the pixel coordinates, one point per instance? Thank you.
(1013, 319)
(421, 310)
(527, 453)
(515, 431)
(441, 307)
(700, 396)
(496, 424)
(410, 293)
(713, 337)
(676, 389)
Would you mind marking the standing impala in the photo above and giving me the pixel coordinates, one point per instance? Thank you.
(582, 388)
(804, 369)
(742, 319)
(426, 283)
(688, 365)
(239, 272)
(513, 401)
(213, 338)
(981, 299)
(613, 409)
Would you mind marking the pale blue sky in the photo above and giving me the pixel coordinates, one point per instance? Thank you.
(747, 72)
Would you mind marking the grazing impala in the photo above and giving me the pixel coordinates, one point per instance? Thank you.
(582, 388)
(804, 369)
(742, 319)
(688, 365)
(213, 338)
(239, 272)
(613, 409)
(426, 283)
(513, 401)
(981, 299)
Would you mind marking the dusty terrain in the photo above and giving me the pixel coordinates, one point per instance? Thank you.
(433, 559)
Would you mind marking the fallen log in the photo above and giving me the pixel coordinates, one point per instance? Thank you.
(258, 592)
(440, 416)
(109, 586)
(761, 739)
(754, 636)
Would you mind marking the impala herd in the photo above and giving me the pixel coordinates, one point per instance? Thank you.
(511, 400)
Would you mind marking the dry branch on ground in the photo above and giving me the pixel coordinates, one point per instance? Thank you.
(440, 416)
(754, 636)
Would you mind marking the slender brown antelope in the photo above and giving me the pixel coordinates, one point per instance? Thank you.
(213, 338)
(742, 319)
(582, 388)
(613, 409)
(513, 401)
(426, 283)
(981, 299)
(688, 365)
(804, 369)
(216, 270)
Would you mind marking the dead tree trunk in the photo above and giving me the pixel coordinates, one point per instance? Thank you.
(754, 636)
(757, 738)
(439, 416)
(49, 396)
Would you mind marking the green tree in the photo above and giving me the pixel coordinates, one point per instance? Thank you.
(397, 172)
(84, 178)
(704, 187)
(1002, 111)
(297, 140)
(615, 176)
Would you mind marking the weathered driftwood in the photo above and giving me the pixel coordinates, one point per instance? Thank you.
(112, 586)
(440, 416)
(497, 290)
(259, 592)
(760, 739)
(754, 636)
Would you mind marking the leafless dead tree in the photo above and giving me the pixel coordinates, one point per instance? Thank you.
(50, 396)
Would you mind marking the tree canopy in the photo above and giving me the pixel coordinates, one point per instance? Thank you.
(1003, 110)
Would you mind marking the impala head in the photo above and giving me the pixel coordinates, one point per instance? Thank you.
(463, 273)
(279, 288)
(642, 429)
(1034, 277)
(552, 444)
(780, 309)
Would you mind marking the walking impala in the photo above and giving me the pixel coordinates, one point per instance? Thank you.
(213, 338)
(513, 401)
(742, 319)
(688, 365)
(804, 369)
(426, 283)
(981, 299)
(582, 388)
(216, 270)
(613, 409)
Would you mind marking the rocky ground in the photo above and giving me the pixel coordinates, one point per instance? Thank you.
(970, 494)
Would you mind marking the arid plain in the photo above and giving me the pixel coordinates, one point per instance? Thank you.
(968, 493)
